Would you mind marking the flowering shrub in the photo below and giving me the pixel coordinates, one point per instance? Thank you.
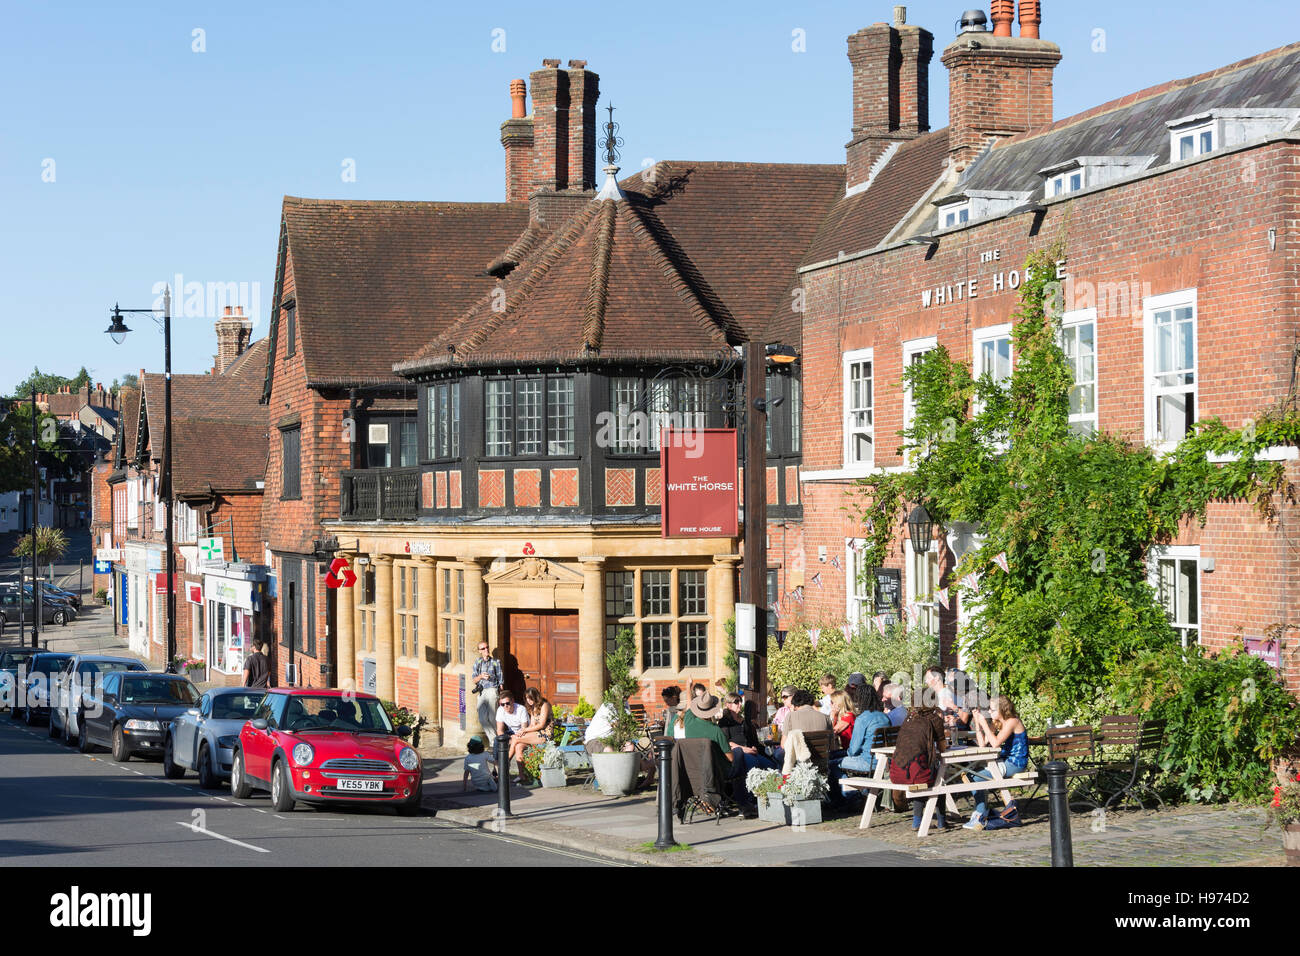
(804, 782)
(762, 782)
(1285, 808)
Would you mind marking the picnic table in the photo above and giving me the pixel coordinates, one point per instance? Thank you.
(954, 764)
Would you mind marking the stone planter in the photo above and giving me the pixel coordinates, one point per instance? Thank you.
(554, 777)
(616, 772)
(803, 812)
(1291, 840)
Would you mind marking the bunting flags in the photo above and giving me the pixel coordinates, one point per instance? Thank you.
(971, 581)
(881, 621)
(817, 579)
(1001, 561)
(813, 635)
(835, 563)
(941, 596)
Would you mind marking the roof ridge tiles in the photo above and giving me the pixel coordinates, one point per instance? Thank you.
(593, 323)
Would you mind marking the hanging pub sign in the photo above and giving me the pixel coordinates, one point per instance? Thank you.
(697, 469)
(888, 591)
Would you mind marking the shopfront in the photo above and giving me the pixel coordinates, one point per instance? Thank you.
(232, 601)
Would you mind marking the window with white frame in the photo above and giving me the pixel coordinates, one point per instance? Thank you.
(857, 583)
(859, 408)
(1171, 379)
(955, 214)
(1175, 575)
(914, 352)
(1063, 183)
(993, 353)
(1079, 343)
(922, 580)
(1190, 143)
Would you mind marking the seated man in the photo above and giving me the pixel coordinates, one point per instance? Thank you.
(701, 714)
(511, 716)
(745, 755)
(893, 700)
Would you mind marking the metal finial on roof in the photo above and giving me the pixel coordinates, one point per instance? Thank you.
(612, 142)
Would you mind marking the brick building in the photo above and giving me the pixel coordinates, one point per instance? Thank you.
(1177, 208)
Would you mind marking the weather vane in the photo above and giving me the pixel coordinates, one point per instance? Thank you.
(612, 140)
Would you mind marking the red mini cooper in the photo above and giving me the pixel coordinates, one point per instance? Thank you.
(323, 747)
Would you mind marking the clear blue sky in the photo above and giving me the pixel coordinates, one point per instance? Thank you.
(169, 161)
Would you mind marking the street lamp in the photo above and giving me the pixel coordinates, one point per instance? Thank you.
(117, 330)
(921, 527)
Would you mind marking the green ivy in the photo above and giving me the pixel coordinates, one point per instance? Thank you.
(1075, 514)
(801, 665)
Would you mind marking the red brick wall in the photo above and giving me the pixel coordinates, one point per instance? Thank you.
(408, 687)
(1000, 89)
(1202, 227)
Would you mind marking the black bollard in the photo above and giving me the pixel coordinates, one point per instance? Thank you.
(664, 754)
(1058, 809)
(502, 748)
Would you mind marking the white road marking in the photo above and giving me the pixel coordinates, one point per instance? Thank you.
(203, 832)
(258, 809)
(222, 799)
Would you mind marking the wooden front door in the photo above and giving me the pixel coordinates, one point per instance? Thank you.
(542, 652)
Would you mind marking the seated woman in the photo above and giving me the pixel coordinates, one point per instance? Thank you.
(1007, 732)
(921, 739)
(858, 758)
(536, 730)
(841, 722)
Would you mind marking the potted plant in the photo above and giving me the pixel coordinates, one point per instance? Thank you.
(1285, 812)
(193, 666)
(102, 596)
(551, 770)
(405, 717)
(618, 767)
(765, 785)
(802, 792)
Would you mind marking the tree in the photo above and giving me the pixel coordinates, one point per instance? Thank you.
(128, 380)
(16, 445)
(1073, 514)
(51, 545)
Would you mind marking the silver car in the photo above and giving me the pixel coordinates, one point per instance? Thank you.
(203, 738)
(78, 677)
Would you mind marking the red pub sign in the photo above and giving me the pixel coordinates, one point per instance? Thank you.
(697, 467)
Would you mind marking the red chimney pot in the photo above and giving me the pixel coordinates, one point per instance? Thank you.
(1031, 17)
(1003, 15)
(518, 91)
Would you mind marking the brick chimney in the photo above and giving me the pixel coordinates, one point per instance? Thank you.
(517, 140)
(564, 140)
(891, 90)
(998, 85)
(234, 329)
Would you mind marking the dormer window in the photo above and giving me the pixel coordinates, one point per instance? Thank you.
(1065, 183)
(1193, 142)
(958, 214)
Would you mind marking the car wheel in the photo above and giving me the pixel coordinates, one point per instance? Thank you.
(239, 788)
(68, 739)
(61, 618)
(120, 753)
(208, 778)
(281, 788)
(171, 769)
(83, 738)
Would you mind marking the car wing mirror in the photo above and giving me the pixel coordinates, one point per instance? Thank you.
(403, 732)
(258, 725)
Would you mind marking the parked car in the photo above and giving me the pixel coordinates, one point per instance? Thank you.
(203, 738)
(77, 678)
(51, 593)
(129, 713)
(12, 611)
(11, 660)
(40, 685)
(326, 747)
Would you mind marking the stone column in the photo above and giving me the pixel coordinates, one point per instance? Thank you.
(384, 657)
(345, 644)
(722, 605)
(591, 630)
(476, 626)
(430, 672)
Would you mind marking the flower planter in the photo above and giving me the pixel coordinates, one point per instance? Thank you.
(803, 812)
(554, 777)
(616, 772)
(1291, 840)
(771, 811)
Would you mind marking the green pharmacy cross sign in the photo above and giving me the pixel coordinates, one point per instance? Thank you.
(213, 550)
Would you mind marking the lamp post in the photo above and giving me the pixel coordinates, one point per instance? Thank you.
(117, 330)
(36, 520)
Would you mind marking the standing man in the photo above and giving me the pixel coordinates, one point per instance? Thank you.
(257, 669)
(487, 681)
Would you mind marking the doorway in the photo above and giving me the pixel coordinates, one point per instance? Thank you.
(541, 650)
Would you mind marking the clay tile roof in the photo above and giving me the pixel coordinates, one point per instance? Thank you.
(610, 287)
(698, 257)
(374, 279)
(528, 242)
(66, 404)
(863, 220)
(130, 398)
(218, 424)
